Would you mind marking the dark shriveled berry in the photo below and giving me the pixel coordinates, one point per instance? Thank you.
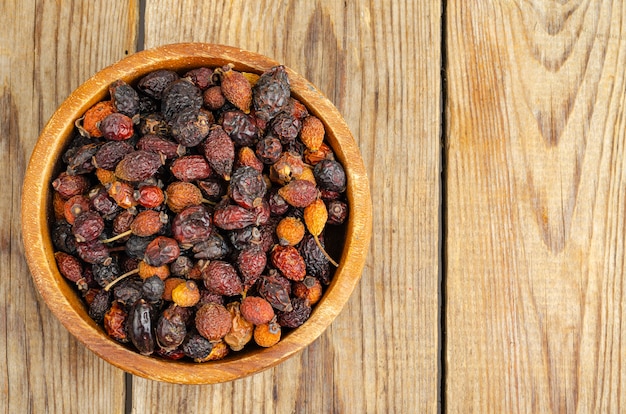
(196, 346)
(111, 153)
(99, 306)
(190, 126)
(240, 127)
(87, 226)
(138, 166)
(271, 93)
(297, 316)
(140, 327)
(180, 95)
(125, 98)
(329, 175)
(154, 83)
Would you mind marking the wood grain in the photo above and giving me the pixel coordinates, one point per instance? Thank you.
(379, 64)
(535, 196)
(46, 50)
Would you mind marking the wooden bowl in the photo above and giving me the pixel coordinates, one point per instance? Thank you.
(62, 298)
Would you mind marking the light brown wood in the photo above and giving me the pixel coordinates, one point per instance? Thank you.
(67, 305)
(46, 50)
(379, 63)
(535, 190)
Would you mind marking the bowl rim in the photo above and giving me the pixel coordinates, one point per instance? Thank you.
(68, 307)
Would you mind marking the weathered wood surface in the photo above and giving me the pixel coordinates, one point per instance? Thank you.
(535, 207)
(380, 65)
(46, 50)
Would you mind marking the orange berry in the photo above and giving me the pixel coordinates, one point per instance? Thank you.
(94, 115)
(170, 284)
(290, 231)
(105, 176)
(186, 294)
(312, 133)
(181, 194)
(146, 271)
(307, 175)
(267, 334)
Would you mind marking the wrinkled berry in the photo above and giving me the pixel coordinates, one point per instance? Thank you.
(213, 321)
(221, 278)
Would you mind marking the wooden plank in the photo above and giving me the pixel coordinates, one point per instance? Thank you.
(47, 49)
(380, 65)
(535, 211)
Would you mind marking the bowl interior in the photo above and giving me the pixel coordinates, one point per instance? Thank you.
(350, 241)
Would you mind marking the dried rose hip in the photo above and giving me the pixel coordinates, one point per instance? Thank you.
(251, 262)
(80, 159)
(219, 151)
(123, 194)
(201, 77)
(297, 316)
(230, 216)
(312, 133)
(213, 321)
(149, 196)
(69, 266)
(285, 127)
(240, 127)
(154, 83)
(117, 127)
(191, 226)
(179, 95)
(162, 250)
(215, 247)
(289, 262)
(221, 278)
(247, 158)
(213, 98)
(269, 149)
(115, 322)
(247, 187)
(337, 212)
(74, 207)
(310, 288)
(191, 126)
(111, 153)
(241, 330)
(140, 327)
(125, 99)
(87, 226)
(191, 168)
(138, 166)
(70, 185)
(181, 194)
(256, 310)
(276, 290)
(171, 328)
(299, 193)
(235, 87)
(330, 175)
(271, 93)
(160, 145)
(267, 334)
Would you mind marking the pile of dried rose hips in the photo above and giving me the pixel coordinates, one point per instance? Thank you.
(191, 211)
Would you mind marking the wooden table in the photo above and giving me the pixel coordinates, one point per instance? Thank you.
(493, 135)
